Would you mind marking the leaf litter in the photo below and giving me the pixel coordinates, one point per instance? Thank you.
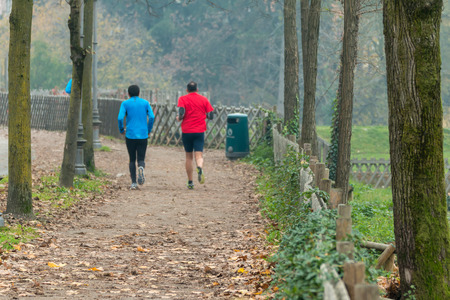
(162, 241)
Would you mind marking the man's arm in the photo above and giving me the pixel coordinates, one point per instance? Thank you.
(122, 113)
(151, 119)
(210, 115)
(181, 112)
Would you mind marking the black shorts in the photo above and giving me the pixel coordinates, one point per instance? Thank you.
(193, 141)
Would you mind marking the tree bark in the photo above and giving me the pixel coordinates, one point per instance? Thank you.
(89, 160)
(19, 200)
(291, 69)
(77, 57)
(310, 22)
(348, 63)
(413, 64)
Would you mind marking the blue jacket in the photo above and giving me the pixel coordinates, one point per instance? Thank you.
(139, 118)
(69, 87)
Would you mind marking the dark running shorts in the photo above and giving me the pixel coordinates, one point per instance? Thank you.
(193, 141)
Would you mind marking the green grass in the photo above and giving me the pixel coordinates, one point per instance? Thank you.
(104, 149)
(372, 215)
(13, 235)
(373, 141)
(61, 197)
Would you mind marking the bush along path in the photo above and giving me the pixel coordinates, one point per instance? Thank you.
(162, 241)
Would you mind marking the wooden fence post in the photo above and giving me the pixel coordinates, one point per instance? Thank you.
(343, 222)
(385, 260)
(312, 164)
(364, 291)
(319, 174)
(354, 273)
(307, 148)
(346, 248)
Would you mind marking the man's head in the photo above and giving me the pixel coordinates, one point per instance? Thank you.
(133, 90)
(192, 87)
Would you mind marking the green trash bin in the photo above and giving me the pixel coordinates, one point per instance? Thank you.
(237, 142)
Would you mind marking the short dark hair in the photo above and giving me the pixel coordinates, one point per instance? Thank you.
(133, 90)
(192, 86)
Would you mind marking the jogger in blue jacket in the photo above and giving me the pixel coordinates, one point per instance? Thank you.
(139, 119)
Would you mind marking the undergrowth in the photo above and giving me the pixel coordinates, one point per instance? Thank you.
(306, 239)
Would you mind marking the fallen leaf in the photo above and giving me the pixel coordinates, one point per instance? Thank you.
(94, 269)
(140, 249)
(53, 265)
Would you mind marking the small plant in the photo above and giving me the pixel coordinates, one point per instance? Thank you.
(13, 235)
(104, 149)
(49, 190)
(410, 295)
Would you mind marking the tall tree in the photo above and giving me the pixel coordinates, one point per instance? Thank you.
(77, 56)
(86, 90)
(345, 93)
(19, 133)
(291, 90)
(413, 60)
(310, 23)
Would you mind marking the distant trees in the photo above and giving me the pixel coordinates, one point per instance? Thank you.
(413, 60)
(19, 200)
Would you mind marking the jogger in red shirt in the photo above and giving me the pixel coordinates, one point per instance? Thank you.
(193, 110)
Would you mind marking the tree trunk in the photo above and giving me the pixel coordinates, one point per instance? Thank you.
(77, 56)
(291, 90)
(87, 87)
(413, 64)
(348, 63)
(310, 21)
(19, 201)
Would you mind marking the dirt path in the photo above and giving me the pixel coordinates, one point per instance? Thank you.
(160, 242)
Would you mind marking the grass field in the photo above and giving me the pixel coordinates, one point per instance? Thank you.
(373, 141)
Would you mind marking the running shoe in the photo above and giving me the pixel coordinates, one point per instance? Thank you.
(134, 186)
(201, 176)
(190, 185)
(141, 176)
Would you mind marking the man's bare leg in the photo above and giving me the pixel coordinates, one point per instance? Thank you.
(199, 162)
(199, 158)
(189, 165)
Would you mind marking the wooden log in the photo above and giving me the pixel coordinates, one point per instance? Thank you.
(372, 245)
(343, 228)
(387, 253)
(354, 273)
(389, 264)
(364, 291)
(346, 248)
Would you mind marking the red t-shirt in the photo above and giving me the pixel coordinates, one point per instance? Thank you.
(196, 106)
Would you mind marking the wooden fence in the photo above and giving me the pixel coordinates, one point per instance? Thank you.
(50, 113)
